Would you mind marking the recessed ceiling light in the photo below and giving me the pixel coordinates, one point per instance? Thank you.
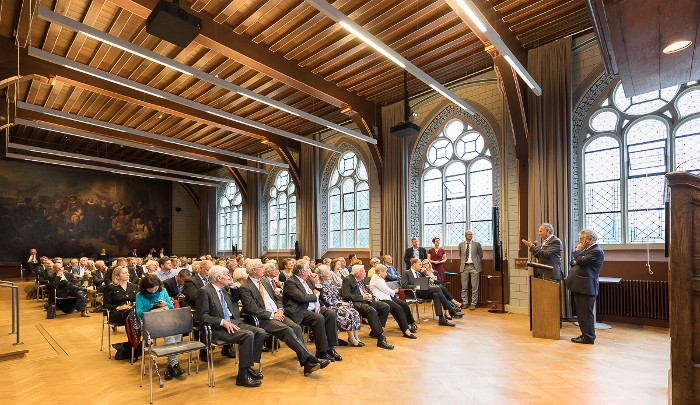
(677, 46)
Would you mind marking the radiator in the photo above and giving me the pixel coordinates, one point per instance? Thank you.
(485, 293)
(634, 298)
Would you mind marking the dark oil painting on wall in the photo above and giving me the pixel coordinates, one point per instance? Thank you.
(74, 213)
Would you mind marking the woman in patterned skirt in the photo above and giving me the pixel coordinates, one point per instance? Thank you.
(347, 316)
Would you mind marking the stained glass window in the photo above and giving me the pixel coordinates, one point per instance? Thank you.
(230, 218)
(624, 167)
(457, 186)
(282, 213)
(348, 204)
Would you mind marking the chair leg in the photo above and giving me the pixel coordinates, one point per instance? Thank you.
(102, 339)
(109, 342)
(150, 372)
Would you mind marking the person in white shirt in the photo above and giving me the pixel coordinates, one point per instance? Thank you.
(398, 308)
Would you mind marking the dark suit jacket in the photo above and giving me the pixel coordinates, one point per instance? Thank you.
(132, 254)
(408, 280)
(209, 310)
(42, 275)
(115, 296)
(295, 298)
(98, 279)
(192, 286)
(350, 291)
(171, 286)
(550, 254)
(422, 255)
(30, 266)
(105, 257)
(61, 285)
(134, 275)
(583, 276)
(253, 302)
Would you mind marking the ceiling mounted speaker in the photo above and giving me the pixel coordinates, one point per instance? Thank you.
(171, 23)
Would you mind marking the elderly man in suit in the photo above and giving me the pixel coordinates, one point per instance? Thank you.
(414, 252)
(354, 290)
(470, 255)
(582, 281)
(215, 307)
(259, 299)
(440, 302)
(301, 305)
(549, 253)
(31, 261)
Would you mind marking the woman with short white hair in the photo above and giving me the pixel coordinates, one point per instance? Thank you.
(399, 309)
(348, 319)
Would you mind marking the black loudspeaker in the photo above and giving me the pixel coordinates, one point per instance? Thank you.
(497, 255)
(171, 23)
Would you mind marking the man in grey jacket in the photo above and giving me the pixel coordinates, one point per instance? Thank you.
(470, 255)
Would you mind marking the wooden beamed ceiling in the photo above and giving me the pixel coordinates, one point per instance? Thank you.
(283, 49)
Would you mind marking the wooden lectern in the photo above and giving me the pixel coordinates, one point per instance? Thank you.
(545, 313)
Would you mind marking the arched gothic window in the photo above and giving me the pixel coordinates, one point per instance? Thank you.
(348, 204)
(628, 145)
(457, 186)
(282, 213)
(230, 218)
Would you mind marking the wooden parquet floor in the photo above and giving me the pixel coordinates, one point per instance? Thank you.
(486, 359)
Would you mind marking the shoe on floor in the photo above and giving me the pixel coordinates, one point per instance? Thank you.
(169, 373)
(255, 375)
(444, 322)
(244, 380)
(582, 339)
(473, 307)
(84, 314)
(310, 367)
(411, 336)
(384, 344)
(178, 370)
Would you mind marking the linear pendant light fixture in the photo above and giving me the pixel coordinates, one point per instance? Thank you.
(48, 15)
(120, 128)
(105, 169)
(118, 163)
(58, 60)
(369, 39)
(467, 10)
(95, 137)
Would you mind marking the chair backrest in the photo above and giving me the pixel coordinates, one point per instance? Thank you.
(166, 323)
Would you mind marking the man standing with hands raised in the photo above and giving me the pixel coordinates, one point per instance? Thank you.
(549, 253)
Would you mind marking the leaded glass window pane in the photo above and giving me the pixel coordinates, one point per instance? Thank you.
(346, 165)
(602, 190)
(348, 204)
(605, 120)
(688, 146)
(440, 152)
(469, 146)
(644, 103)
(282, 213)
(454, 200)
(454, 129)
(230, 217)
(689, 103)
(361, 171)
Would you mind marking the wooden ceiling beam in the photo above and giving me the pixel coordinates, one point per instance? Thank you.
(81, 81)
(221, 39)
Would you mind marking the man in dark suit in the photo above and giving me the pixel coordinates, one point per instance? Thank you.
(354, 290)
(214, 307)
(549, 253)
(176, 286)
(582, 281)
(470, 255)
(31, 261)
(134, 273)
(440, 302)
(65, 285)
(133, 253)
(414, 252)
(259, 300)
(98, 276)
(301, 305)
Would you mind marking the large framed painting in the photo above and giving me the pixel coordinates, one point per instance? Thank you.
(73, 213)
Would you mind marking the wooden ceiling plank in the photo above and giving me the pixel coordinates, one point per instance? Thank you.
(53, 95)
(259, 57)
(33, 91)
(117, 27)
(535, 21)
(93, 11)
(198, 5)
(538, 9)
(509, 5)
(287, 21)
(244, 18)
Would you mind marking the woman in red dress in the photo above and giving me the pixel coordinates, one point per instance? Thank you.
(437, 257)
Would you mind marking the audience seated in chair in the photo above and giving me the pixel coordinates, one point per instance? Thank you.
(435, 280)
(441, 305)
(399, 309)
(215, 308)
(347, 317)
(65, 285)
(176, 286)
(376, 312)
(98, 276)
(259, 299)
(152, 297)
(301, 305)
(165, 272)
(119, 295)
